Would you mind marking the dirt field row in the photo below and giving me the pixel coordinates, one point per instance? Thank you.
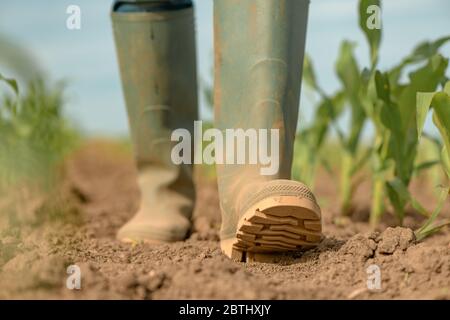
(99, 194)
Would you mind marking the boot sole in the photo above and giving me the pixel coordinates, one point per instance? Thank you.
(276, 224)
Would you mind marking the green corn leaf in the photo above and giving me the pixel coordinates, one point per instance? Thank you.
(11, 82)
(404, 141)
(426, 165)
(440, 102)
(350, 76)
(362, 161)
(338, 103)
(397, 201)
(401, 196)
(309, 74)
(425, 79)
(390, 118)
(426, 50)
(327, 111)
(445, 157)
(420, 53)
(347, 68)
(429, 227)
(327, 165)
(369, 97)
(368, 10)
(323, 117)
(424, 100)
(382, 87)
(436, 141)
(436, 227)
(441, 116)
(447, 88)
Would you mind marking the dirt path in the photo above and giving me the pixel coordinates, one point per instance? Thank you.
(99, 195)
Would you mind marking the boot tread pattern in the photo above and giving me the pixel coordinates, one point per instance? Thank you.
(277, 229)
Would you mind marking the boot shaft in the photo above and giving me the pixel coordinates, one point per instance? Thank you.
(156, 54)
(259, 49)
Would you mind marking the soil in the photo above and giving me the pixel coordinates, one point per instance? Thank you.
(76, 225)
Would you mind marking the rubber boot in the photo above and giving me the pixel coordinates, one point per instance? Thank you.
(156, 54)
(259, 49)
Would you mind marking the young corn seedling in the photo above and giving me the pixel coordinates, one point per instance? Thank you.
(395, 118)
(440, 104)
(368, 95)
(385, 98)
(354, 87)
(382, 160)
(355, 83)
(389, 105)
(34, 135)
(350, 76)
(308, 148)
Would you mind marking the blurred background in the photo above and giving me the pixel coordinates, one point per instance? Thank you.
(86, 58)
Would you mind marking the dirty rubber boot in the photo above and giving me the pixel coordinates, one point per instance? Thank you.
(259, 49)
(155, 45)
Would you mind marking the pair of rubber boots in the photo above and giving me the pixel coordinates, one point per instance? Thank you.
(259, 49)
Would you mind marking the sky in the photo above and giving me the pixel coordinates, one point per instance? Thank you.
(86, 57)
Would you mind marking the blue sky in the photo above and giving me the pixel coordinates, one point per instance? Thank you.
(86, 57)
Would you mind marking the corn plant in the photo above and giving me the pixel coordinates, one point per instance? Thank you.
(394, 116)
(354, 86)
(389, 104)
(439, 102)
(311, 138)
(34, 135)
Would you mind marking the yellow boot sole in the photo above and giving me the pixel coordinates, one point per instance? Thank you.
(284, 217)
